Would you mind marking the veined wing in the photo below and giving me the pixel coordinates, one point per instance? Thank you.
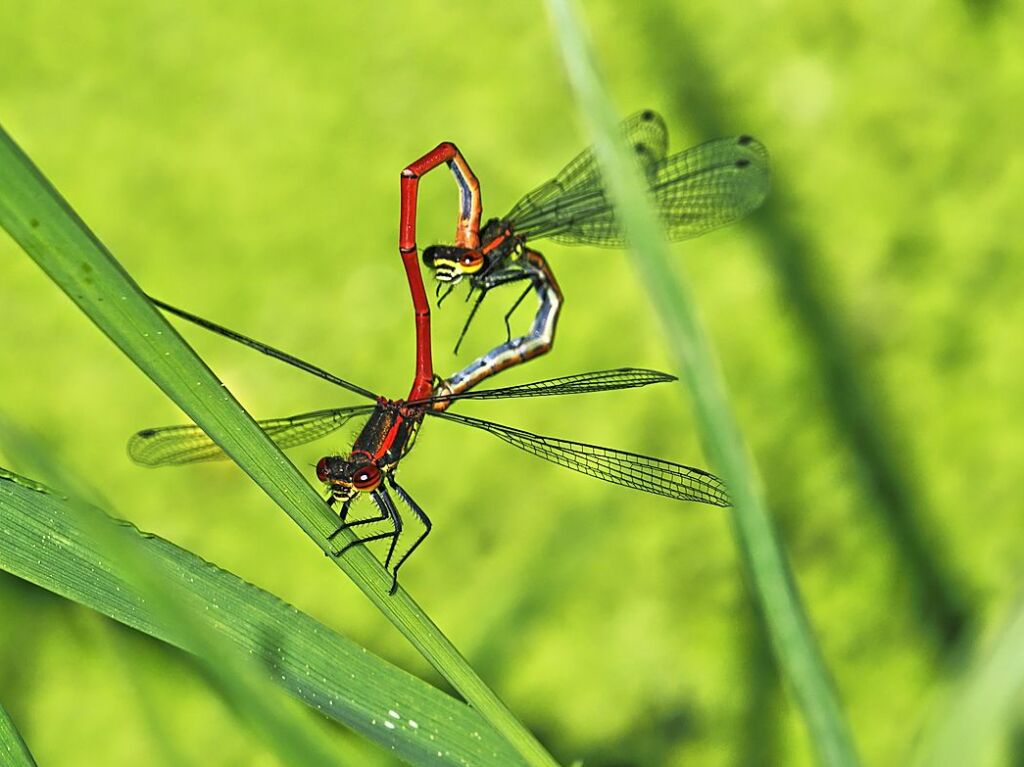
(581, 383)
(711, 185)
(640, 472)
(644, 131)
(694, 191)
(172, 445)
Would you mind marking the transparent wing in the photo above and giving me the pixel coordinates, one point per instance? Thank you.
(172, 445)
(711, 185)
(640, 472)
(695, 191)
(644, 131)
(581, 383)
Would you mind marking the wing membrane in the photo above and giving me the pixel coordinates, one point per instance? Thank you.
(172, 445)
(640, 472)
(581, 383)
(694, 191)
(711, 185)
(644, 131)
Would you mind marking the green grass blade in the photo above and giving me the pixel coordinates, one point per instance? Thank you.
(236, 676)
(983, 707)
(284, 729)
(764, 559)
(44, 541)
(862, 412)
(46, 227)
(13, 751)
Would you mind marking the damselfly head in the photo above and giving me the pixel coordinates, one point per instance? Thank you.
(451, 263)
(348, 477)
(443, 260)
(435, 255)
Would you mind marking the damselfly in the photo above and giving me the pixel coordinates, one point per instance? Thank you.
(695, 191)
(389, 434)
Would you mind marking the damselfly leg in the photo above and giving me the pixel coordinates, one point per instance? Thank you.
(510, 312)
(387, 525)
(388, 516)
(482, 288)
(421, 516)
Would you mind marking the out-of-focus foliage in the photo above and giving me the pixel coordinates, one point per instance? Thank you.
(216, 149)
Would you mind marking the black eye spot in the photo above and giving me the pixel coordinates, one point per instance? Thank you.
(640, 148)
(742, 163)
(744, 140)
(647, 115)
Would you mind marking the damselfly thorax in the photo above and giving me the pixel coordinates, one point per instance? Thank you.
(386, 437)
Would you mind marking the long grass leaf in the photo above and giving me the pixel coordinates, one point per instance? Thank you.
(13, 751)
(236, 676)
(764, 558)
(46, 227)
(44, 541)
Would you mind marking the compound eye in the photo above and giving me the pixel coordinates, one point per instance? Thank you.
(321, 470)
(471, 261)
(366, 478)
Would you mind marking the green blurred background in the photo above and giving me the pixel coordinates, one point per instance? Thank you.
(242, 161)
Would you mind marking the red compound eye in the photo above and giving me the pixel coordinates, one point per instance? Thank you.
(366, 478)
(321, 470)
(471, 261)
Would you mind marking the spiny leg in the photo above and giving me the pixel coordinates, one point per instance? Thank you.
(382, 497)
(469, 319)
(510, 312)
(487, 284)
(384, 517)
(421, 515)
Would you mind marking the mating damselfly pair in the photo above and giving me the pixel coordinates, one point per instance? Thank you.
(695, 191)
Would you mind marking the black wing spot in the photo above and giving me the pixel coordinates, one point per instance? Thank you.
(647, 115)
(742, 163)
(744, 140)
(146, 433)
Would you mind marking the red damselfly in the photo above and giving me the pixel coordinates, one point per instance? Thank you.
(695, 191)
(389, 434)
